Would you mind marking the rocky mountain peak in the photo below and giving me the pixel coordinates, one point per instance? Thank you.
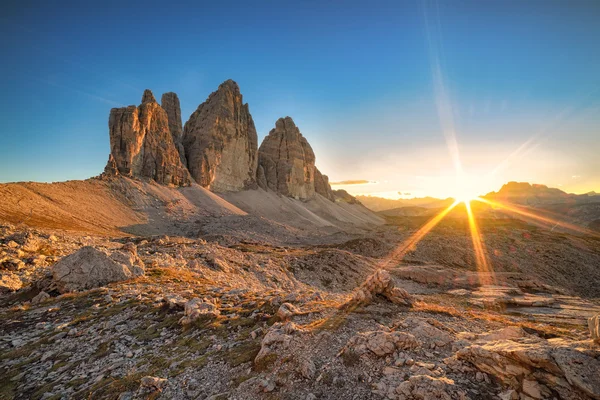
(287, 162)
(220, 141)
(142, 146)
(148, 97)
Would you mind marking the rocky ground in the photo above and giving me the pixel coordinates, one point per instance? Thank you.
(240, 317)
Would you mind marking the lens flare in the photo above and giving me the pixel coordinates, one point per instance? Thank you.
(485, 273)
(542, 219)
(411, 243)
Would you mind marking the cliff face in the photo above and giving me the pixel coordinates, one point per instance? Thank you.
(322, 186)
(170, 103)
(220, 141)
(287, 162)
(142, 146)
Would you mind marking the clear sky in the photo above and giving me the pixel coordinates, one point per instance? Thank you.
(400, 93)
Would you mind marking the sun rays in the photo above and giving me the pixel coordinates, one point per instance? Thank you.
(410, 244)
(467, 188)
(543, 220)
(485, 273)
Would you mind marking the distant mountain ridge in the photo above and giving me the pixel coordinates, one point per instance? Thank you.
(535, 194)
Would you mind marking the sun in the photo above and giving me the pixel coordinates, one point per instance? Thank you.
(465, 190)
(465, 197)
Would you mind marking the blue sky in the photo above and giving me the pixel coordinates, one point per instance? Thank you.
(380, 89)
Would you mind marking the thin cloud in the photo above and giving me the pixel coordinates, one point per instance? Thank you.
(352, 182)
(90, 95)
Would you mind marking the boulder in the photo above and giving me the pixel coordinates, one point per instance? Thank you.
(381, 343)
(40, 298)
(278, 338)
(380, 283)
(89, 268)
(286, 311)
(197, 308)
(220, 141)
(150, 384)
(142, 146)
(287, 161)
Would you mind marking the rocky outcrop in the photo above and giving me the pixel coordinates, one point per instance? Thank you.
(89, 268)
(322, 185)
(380, 283)
(170, 103)
(343, 196)
(287, 162)
(220, 141)
(141, 144)
(539, 369)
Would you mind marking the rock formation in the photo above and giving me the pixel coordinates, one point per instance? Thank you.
(142, 146)
(220, 141)
(170, 103)
(218, 147)
(89, 268)
(322, 185)
(287, 161)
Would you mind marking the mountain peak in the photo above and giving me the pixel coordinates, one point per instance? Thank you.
(148, 97)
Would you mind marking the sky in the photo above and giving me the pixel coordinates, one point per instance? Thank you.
(416, 97)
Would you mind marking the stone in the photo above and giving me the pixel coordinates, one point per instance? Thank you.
(381, 343)
(380, 283)
(9, 282)
(286, 311)
(197, 308)
(508, 333)
(89, 268)
(278, 337)
(142, 146)
(152, 383)
(594, 326)
(220, 141)
(170, 103)
(308, 369)
(532, 389)
(427, 333)
(40, 298)
(427, 387)
(287, 161)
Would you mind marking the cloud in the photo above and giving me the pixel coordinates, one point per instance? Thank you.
(352, 182)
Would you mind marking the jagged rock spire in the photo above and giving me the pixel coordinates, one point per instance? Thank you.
(287, 161)
(170, 103)
(220, 141)
(148, 97)
(141, 144)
